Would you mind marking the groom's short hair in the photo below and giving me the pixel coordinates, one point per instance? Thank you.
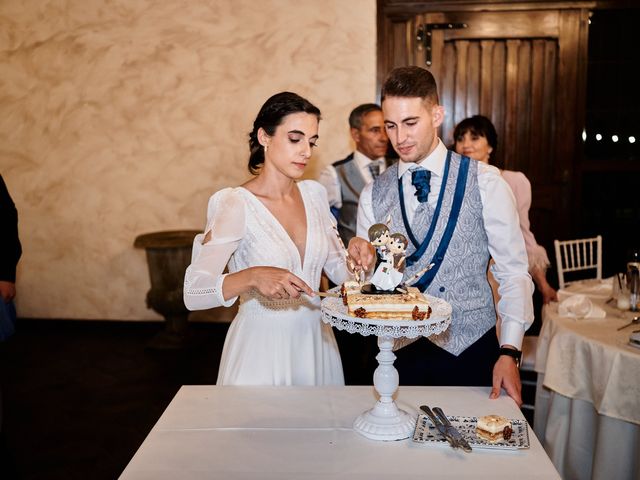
(410, 82)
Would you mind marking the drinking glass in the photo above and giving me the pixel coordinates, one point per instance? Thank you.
(618, 280)
(623, 299)
(633, 284)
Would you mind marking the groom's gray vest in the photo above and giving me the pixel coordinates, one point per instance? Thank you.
(462, 277)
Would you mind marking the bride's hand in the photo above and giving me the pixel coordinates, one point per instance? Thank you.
(362, 253)
(278, 283)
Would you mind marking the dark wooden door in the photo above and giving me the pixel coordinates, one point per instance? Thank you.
(523, 68)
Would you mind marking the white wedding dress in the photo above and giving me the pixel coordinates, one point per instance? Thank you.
(270, 342)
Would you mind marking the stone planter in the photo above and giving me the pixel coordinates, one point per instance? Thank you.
(168, 256)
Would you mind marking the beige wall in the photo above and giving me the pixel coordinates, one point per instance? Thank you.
(121, 117)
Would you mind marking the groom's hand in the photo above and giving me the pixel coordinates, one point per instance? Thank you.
(506, 375)
(362, 253)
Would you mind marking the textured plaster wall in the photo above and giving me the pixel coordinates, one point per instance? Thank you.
(121, 117)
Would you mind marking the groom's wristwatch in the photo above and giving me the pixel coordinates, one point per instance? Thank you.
(513, 353)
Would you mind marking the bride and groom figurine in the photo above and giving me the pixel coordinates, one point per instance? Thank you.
(390, 248)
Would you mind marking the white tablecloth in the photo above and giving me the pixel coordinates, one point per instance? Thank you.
(306, 433)
(588, 396)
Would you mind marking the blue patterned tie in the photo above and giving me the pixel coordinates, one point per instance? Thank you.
(420, 179)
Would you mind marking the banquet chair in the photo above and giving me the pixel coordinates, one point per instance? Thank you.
(528, 375)
(577, 256)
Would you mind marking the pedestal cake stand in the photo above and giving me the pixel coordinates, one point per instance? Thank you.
(385, 421)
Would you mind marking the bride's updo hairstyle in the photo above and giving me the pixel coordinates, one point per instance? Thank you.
(272, 114)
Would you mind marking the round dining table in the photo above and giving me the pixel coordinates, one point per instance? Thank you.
(587, 412)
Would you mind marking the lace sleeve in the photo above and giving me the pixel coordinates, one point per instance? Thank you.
(212, 250)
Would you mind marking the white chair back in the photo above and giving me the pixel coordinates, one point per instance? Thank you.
(577, 255)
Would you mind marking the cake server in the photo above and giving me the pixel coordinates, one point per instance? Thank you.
(419, 274)
(451, 430)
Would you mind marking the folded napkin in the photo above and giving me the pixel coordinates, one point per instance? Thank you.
(580, 306)
(597, 289)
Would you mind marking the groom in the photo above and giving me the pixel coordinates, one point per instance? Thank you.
(456, 213)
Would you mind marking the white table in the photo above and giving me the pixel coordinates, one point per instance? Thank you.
(306, 433)
(588, 397)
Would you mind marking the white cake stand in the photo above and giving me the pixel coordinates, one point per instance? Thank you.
(385, 421)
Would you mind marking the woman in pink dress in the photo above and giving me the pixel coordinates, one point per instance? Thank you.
(476, 138)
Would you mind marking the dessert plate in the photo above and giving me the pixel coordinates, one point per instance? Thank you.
(426, 432)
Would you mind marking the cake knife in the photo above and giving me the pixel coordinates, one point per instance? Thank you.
(439, 426)
(327, 294)
(451, 430)
(356, 272)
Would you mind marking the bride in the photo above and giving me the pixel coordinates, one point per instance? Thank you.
(277, 235)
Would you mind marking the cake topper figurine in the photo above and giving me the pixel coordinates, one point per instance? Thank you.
(397, 246)
(390, 249)
(379, 237)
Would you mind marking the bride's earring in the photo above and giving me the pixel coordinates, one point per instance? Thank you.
(266, 147)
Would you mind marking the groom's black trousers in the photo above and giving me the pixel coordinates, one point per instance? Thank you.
(424, 363)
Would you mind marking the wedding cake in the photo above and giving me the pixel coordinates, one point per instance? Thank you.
(408, 304)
